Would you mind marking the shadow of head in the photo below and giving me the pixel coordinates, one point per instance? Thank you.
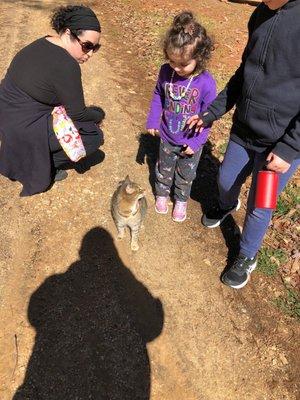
(92, 324)
(148, 153)
(33, 4)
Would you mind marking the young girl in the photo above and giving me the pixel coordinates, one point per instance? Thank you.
(184, 88)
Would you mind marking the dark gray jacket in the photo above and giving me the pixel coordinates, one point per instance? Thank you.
(266, 86)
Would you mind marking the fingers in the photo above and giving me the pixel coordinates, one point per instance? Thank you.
(192, 121)
(187, 150)
(270, 166)
(199, 128)
(195, 122)
(153, 132)
(198, 125)
(192, 118)
(281, 169)
(277, 164)
(270, 156)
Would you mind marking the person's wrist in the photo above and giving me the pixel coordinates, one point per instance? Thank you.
(207, 117)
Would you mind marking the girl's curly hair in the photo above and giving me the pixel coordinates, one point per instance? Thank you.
(187, 37)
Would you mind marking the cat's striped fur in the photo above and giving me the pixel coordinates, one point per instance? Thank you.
(128, 209)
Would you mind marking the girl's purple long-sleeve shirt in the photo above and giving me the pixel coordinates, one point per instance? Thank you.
(169, 116)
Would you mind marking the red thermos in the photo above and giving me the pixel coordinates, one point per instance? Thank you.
(266, 189)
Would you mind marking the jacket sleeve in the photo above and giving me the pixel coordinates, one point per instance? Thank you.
(69, 90)
(228, 97)
(288, 147)
(196, 141)
(156, 106)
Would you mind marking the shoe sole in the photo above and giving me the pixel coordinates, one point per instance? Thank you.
(240, 286)
(63, 177)
(179, 220)
(159, 212)
(205, 222)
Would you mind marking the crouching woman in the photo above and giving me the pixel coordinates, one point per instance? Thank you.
(46, 76)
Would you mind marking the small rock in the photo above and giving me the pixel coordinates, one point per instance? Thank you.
(47, 202)
(283, 359)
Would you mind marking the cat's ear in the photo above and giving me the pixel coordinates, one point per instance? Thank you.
(127, 180)
(129, 189)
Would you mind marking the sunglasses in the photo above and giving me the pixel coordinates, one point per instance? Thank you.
(87, 46)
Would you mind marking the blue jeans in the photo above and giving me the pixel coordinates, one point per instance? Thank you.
(237, 165)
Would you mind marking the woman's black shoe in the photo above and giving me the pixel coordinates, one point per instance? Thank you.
(60, 175)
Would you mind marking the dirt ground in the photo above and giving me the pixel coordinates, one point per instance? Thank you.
(84, 318)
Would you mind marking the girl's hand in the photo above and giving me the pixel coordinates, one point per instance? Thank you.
(187, 151)
(277, 164)
(153, 132)
(196, 121)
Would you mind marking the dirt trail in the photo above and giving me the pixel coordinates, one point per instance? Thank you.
(153, 325)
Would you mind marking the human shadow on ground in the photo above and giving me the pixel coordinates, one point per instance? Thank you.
(33, 4)
(39, 4)
(147, 154)
(204, 188)
(92, 325)
(253, 3)
(205, 191)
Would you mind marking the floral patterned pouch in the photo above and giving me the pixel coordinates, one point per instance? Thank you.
(67, 134)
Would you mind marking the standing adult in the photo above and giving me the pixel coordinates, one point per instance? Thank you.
(41, 76)
(266, 124)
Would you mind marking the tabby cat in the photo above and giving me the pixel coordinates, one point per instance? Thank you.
(128, 209)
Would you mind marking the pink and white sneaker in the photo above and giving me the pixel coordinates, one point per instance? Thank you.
(179, 211)
(161, 205)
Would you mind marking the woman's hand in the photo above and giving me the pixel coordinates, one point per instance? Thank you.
(188, 151)
(277, 164)
(196, 121)
(153, 132)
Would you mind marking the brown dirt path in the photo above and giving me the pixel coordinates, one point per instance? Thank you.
(84, 318)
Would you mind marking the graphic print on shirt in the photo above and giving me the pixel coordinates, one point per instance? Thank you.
(177, 112)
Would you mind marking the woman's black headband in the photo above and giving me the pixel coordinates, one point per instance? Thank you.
(83, 18)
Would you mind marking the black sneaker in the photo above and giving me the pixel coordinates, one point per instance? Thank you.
(239, 273)
(215, 216)
(60, 175)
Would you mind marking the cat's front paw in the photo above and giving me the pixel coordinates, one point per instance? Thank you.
(120, 236)
(135, 246)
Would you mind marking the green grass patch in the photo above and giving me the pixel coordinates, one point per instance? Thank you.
(222, 147)
(270, 260)
(288, 201)
(290, 303)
